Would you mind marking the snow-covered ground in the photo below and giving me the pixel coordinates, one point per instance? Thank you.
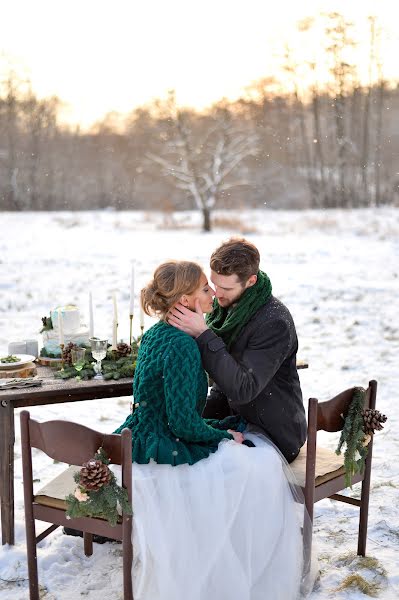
(337, 271)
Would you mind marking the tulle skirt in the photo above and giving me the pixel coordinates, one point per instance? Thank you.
(226, 528)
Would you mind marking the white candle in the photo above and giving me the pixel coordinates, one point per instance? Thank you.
(141, 316)
(114, 334)
(91, 320)
(131, 309)
(115, 308)
(60, 327)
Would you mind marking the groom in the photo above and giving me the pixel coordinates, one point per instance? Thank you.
(248, 345)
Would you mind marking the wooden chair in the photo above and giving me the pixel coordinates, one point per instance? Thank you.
(72, 444)
(320, 472)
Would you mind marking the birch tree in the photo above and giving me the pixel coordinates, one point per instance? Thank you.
(206, 161)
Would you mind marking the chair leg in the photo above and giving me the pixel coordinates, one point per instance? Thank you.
(307, 540)
(127, 546)
(31, 549)
(363, 519)
(88, 543)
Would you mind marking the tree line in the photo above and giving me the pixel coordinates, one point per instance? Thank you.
(331, 145)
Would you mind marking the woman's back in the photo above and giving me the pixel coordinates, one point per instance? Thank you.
(170, 389)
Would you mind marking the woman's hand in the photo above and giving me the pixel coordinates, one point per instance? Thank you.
(191, 322)
(238, 437)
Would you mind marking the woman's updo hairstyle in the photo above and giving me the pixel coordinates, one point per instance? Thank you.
(171, 281)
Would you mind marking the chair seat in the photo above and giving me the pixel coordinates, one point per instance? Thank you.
(328, 466)
(54, 492)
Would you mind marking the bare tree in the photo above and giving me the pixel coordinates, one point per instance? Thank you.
(342, 71)
(378, 133)
(206, 163)
(9, 107)
(364, 157)
(290, 67)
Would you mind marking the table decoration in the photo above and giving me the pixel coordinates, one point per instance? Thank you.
(20, 383)
(64, 325)
(98, 351)
(131, 306)
(24, 367)
(116, 364)
(9, 359)
(49, 361)
(78, 359)
(17, 348)
(91, 318)
(97, 493)
(32, 347)
(13, 361)
(360, 424)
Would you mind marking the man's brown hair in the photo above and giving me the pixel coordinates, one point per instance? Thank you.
(238, 257)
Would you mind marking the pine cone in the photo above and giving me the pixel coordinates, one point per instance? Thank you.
(93, 475)
(373, 420)
(66, 353)
(123, 349)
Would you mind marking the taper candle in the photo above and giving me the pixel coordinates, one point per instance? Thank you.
(114, 334)
(91, 320)
(60, 327)
(141, 316)
(131, 308)
(115, 308)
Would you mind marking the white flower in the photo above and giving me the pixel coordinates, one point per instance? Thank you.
(81, 496)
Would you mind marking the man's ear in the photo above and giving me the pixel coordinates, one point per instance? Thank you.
(251, 281)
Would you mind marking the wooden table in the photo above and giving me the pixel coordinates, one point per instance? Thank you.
(52, 391)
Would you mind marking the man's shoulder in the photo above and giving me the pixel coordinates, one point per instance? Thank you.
(273, 309)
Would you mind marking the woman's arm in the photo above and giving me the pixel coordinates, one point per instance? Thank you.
(181, 376)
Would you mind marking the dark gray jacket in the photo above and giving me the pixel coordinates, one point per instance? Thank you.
(258, 379)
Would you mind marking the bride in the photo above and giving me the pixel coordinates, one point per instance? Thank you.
(213, 519)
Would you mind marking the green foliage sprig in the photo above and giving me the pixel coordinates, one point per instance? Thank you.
(352, 435)
(102, 503)
(11, 358)
(47, 324)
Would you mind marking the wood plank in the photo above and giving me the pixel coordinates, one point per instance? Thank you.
(28, 370)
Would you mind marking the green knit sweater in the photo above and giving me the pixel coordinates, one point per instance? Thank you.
(170, 388)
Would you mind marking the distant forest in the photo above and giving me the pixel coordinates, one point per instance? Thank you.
(333, 145)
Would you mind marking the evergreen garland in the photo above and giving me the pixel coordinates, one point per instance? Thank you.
(114, 366)
(353, 436)
(102, 503)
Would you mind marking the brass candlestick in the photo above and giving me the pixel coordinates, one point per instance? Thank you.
(131, 330)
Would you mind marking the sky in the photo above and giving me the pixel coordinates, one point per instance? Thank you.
(102, 56)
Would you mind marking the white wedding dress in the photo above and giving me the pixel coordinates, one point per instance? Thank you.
(226, 528)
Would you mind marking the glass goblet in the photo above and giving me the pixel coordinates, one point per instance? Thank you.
(99, 351)
(78, 359)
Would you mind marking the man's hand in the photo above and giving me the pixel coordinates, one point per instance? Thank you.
(186, 320)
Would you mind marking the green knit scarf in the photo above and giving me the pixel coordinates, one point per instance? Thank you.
(227, 323)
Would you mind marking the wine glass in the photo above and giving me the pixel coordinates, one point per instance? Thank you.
(99, 351)
(78, 359)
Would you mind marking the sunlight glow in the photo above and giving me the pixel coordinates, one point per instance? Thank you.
(101, 56)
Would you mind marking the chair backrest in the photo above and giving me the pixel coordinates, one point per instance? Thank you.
(75, 444)
(330, 415)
